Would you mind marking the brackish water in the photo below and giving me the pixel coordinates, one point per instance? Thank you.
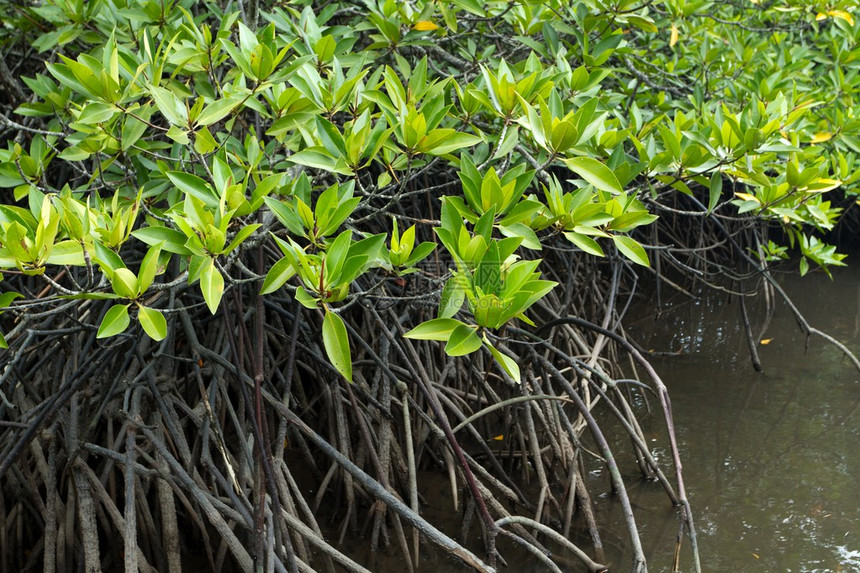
(771, 459)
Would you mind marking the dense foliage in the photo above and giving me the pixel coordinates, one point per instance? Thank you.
(349, 177)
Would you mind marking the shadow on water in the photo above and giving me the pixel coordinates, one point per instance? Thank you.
(771, 460)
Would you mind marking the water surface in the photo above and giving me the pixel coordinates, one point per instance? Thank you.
(772, 459)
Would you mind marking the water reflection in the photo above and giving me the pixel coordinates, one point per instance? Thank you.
(772, 460)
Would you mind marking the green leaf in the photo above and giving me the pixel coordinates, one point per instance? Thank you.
(218, 110)
(240, 236)
(280, 273)
(715, 190)
(443, 141)
(306, 299)
(7, 297)
(319, 158)
(194, 186)
(451, 299)
(153, 322)
(125, 283)
(211, 285)
(631, 249)
(336, 344)
(148, 268)
(436, 329)
(170, 240)
(595, 172)
(115, 321)
(463, 340)
(506, 362)
(170, 106)
(585, 243)
(67, 253)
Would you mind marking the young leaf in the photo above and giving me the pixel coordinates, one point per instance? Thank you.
(125, 283)
(153, 322)
(506, 362)
(212, 286)
(148, 268)
(463, 340)
(451, 299)
(115, 321)
(336, 344)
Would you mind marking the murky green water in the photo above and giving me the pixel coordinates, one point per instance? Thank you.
(772, 460)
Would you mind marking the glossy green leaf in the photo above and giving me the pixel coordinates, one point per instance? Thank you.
(194, 186)
(463, 340)
(595, 172)
(170, 106)
(435, 329)
(211, 285)
(715, 190)
(336, 343)
(125, 283)
(278, 274)
(631, 249)
(506, 362)
(115, 321)
(153, 322)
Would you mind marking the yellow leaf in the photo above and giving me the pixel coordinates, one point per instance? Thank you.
(756, 555)
(823, 185)
(766, 341)
(819, 17)
(425, 26)
(821, 137)
(842, 14)
(747, 197)
(499, 438)
(673, 38)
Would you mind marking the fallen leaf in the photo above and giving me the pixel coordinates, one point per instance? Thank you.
(766, 341)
